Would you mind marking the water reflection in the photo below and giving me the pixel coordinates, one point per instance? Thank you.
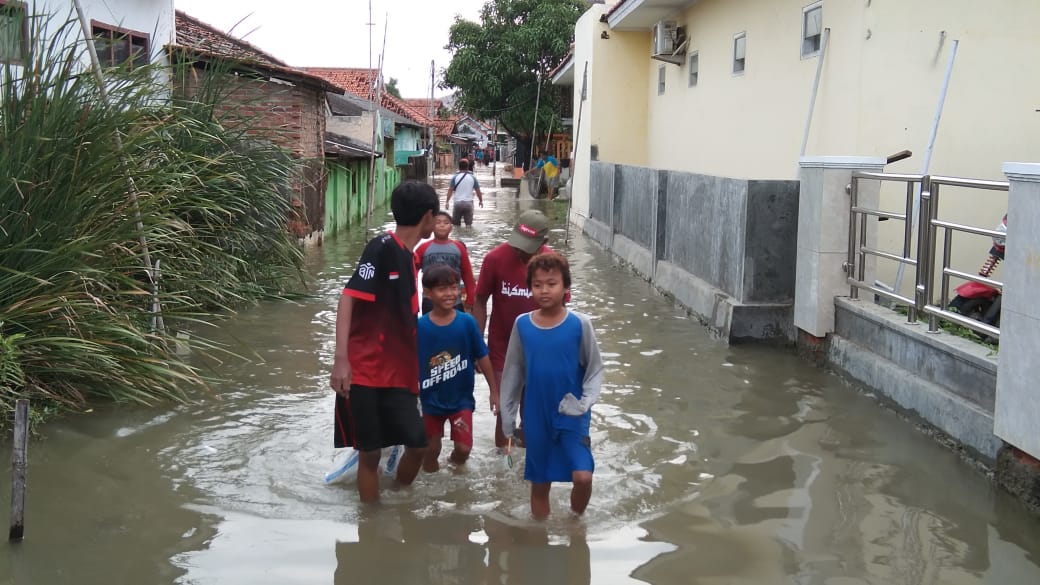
(395, 546)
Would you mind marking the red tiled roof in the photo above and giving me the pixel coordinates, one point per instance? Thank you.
(423, 104)
(359, 81)
(445, 127)
(193, 33)
(207, 41)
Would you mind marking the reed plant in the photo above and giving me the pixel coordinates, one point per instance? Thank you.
(100, 196)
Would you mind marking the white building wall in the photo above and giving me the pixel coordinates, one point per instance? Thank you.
(881, 80)
(153, 17)
(613, 117)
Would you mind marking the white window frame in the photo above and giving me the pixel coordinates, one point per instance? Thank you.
(740, 53)
(661, 78)
(805, 49)
(694, 70)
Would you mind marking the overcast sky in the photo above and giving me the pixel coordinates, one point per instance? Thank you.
(332, 33)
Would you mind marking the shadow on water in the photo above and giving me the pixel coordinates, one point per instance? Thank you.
(715, 464)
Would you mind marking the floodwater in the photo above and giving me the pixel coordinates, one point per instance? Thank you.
(716, 464)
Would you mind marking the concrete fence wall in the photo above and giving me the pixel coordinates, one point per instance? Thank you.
(985, 401)
(724, 248)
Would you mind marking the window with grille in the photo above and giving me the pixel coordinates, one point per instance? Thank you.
(118, 47)
(739, 52)
(812, 29)
(695, 66)
(13, 32)
(660, 80)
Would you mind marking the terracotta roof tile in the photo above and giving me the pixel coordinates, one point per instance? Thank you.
(193, 33)
(358, 81)
(209, 42)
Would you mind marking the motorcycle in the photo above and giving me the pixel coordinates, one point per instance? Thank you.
(980, 301)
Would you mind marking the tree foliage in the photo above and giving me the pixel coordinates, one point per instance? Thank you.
(496, 63)
(391, 88)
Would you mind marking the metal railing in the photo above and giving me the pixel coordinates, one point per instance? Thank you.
(928, 299)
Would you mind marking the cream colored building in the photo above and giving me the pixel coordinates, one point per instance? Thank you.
(736, 102)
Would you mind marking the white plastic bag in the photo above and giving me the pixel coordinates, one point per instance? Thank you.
(346, 465)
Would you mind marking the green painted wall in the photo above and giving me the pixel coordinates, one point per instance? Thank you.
(345, 196)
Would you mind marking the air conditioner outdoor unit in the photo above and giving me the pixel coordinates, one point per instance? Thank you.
(664, 38)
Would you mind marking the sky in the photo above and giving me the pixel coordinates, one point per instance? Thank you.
(332, 33)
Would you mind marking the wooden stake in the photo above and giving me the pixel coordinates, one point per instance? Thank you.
(18, 467)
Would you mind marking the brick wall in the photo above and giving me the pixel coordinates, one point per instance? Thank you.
(290, 116)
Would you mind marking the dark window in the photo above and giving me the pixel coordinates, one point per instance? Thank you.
(119, 47)
(13, 32)
(660, 80)
(695, 68)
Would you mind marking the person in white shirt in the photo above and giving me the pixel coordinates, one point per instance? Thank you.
(463, 186)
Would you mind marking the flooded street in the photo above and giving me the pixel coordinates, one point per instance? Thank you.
(715, 464)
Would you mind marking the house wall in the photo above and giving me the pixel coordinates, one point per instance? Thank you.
(408, 138)
(358, 128)
(881, 81)
(611, 123)
(290, 116)
(345, 195)
(153, 17)
(736, 271)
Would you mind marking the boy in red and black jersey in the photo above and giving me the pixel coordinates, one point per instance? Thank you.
(375, 372)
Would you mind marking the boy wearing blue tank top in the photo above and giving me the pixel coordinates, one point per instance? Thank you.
(449, 346)
(553, 352)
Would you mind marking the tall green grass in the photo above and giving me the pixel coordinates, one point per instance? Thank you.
(208, 199)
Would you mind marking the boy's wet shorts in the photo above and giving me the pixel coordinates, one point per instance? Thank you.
(461, 424)
(373, 418)
(554, 457)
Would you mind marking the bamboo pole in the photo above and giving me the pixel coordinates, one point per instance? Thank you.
(534, 127)
(99, 78)
(18, 469)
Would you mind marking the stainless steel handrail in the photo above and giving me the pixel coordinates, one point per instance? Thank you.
(928, 299)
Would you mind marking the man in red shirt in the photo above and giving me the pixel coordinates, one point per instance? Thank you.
(503, 279)
(375, 370)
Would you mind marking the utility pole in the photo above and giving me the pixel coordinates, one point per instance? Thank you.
(376, 132)
(432, 131)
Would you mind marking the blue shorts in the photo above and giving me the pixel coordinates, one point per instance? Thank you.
(554, 457)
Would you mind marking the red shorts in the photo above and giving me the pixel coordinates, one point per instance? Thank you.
(461, 426)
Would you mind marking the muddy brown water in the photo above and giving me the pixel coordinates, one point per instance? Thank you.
(715, 464)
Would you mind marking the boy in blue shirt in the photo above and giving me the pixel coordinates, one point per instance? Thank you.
(449, 346)
(553, 352)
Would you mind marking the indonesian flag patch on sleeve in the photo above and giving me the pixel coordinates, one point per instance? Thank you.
(395, 275)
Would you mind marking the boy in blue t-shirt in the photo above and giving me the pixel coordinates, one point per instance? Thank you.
(449, 346)
(553, 352)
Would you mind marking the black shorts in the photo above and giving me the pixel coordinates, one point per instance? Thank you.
(374, 418)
